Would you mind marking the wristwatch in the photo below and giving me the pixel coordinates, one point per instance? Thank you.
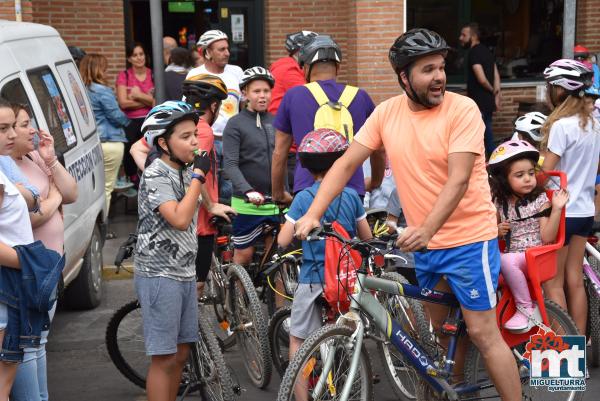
(199, 177)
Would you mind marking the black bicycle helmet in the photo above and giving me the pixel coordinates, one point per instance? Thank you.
(415, 44)
(203, 89)
(294, 41)
(319, 48)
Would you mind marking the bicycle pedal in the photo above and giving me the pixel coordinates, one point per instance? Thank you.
(224, 325)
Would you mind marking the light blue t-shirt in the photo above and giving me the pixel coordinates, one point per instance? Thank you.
(348, 213)
(14, 174)
(379, 197)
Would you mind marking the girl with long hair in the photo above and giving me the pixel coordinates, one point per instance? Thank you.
(572, 143)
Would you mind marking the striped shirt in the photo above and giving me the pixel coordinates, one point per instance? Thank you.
(162, 250)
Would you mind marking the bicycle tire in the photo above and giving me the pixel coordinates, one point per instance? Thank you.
(403, 382)
(244, 300)
(221, 326)
(304, 363)
(593, 316)
(279, 339)
(286, 275)
(112, 342)
(125, 365)
(558, 319)
(215, 381)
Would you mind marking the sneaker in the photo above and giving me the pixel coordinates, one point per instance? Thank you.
(517, 322)
(130, 192)
(122, 183)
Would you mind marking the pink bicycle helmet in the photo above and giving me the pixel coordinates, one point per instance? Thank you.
(572, 75)
(320, 148)
(512, 149)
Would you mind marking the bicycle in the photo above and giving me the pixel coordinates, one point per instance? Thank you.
(406, 311)
(333, 364)
(205, 372)
(591, 274)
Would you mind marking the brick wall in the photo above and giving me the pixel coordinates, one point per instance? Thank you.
(504, 119)
(588, 27)
(7, 10)
(283, 17)
(95, 26)
(364, 29)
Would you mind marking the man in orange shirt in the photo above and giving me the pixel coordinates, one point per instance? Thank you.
(436, 148)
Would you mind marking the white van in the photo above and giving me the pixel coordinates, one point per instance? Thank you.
(36, 69)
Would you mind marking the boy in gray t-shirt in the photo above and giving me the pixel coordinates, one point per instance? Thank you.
(166, 248)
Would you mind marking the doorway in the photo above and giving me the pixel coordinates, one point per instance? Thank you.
(241, 20)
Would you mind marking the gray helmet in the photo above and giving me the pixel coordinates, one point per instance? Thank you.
(294, 41)
(319, 48)
(415, 44)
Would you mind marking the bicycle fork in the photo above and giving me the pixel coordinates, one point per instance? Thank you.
(328, 354)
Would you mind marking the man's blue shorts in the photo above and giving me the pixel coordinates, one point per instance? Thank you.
(248, 228)
(470, 270)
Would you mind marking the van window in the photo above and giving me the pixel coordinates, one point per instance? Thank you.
(14, 92)
(76, 93)
(54, 108)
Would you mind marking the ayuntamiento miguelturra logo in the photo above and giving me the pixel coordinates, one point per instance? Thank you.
(556, 361)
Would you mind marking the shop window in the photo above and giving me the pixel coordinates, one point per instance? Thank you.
(54, 108)
(524, 35)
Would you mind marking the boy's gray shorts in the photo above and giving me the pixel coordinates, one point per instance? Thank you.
(169, 312)
(307, 315)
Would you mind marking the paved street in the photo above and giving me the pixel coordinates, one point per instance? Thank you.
(79, 367)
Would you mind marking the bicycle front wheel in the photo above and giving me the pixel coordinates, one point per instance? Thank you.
(250, 326)
(306, 368)
(211, 370)
(475, 371)
(593, 314)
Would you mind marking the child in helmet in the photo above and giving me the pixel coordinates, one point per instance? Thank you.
(165, 269)
(317, 152)
(525, 218)
(527, 128)
(572, 144)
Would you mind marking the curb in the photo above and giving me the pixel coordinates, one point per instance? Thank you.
(109, 272)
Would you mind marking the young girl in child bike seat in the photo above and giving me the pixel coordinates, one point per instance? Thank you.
(526, 218)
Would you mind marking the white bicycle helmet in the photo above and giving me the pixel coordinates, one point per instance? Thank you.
(254, 73)
(164, 116)
(571, 75)
(211, 36)
(530, 124)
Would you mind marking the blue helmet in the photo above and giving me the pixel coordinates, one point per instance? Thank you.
(164, 116)
(592, 91)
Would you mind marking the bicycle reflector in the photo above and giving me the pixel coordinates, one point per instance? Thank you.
(222, 240)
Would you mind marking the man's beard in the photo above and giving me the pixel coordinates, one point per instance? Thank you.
(424, 98)
(467, 45)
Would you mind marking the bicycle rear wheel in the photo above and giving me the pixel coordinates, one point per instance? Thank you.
(284, 280)
(411, 315)
(307, 365)
(279, 338)
(250, 326)
(475, 372)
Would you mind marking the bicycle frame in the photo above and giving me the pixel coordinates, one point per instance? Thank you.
(363, 301)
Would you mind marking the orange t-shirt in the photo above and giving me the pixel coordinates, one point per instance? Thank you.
(418, 145)
(206, 142)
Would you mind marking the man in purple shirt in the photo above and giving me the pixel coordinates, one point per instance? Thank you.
(319, 59)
